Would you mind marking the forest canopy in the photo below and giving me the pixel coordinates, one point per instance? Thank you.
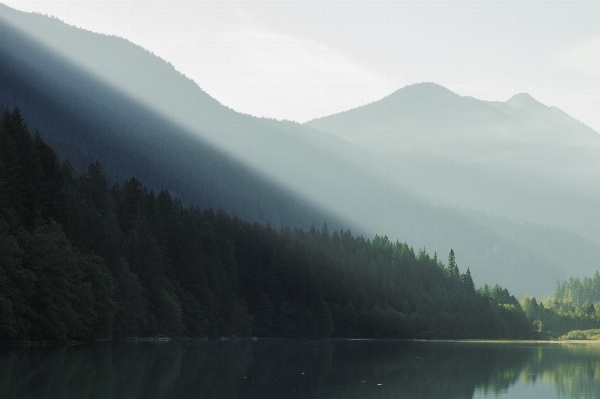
(81, 259)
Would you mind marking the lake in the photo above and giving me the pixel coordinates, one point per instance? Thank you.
(302, 369)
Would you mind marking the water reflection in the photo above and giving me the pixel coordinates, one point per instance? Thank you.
(300, 369)
(573, 369)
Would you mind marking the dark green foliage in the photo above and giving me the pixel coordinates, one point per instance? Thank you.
(499, 295)
(575, 305)
(467, 281)
(82, 261)
(12, 280)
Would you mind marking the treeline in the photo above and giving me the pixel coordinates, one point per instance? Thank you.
(575, 305)
(82, 119)
(575, 292)
(82, 260)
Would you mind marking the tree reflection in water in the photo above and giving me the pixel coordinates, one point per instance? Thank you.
(296, 369)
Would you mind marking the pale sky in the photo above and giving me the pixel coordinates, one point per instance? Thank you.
(302, 60)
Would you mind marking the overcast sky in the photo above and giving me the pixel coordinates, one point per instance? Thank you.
(301, 60)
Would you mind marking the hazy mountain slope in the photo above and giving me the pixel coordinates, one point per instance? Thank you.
(414, 115)
(276, 150)
(518, 158)
(141, 117)
(79, 112)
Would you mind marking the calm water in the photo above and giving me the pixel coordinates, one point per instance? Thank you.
(302, 369)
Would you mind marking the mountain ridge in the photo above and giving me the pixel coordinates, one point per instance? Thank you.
(530, 151)
(260, 169)
(432, 95)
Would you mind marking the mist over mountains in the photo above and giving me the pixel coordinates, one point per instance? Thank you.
(517, 158)
(511, 187)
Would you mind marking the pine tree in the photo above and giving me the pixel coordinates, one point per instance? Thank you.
(452, 267)
(467, 281)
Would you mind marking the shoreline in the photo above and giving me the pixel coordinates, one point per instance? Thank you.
(181, 339)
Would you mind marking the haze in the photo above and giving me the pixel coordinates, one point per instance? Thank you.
(299, 61)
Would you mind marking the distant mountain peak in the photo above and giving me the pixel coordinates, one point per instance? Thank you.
(425, 94)
(428, 89)
(526, 102)
(426, 85)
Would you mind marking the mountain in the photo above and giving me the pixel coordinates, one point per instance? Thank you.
(95, 96)
(430, 118)
(517, 158)
(85, 118)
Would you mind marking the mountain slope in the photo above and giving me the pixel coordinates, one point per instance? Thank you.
(80, 114)
(517, 158)
(411, 117)
(109, 99)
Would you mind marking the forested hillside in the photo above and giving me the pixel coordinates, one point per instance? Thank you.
(101, 97)
(85, 118)
(575, 305)
(82, 260)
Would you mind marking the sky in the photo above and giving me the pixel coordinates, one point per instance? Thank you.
(303, 60)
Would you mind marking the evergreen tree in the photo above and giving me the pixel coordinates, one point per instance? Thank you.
(452, 267)
(467, 281)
